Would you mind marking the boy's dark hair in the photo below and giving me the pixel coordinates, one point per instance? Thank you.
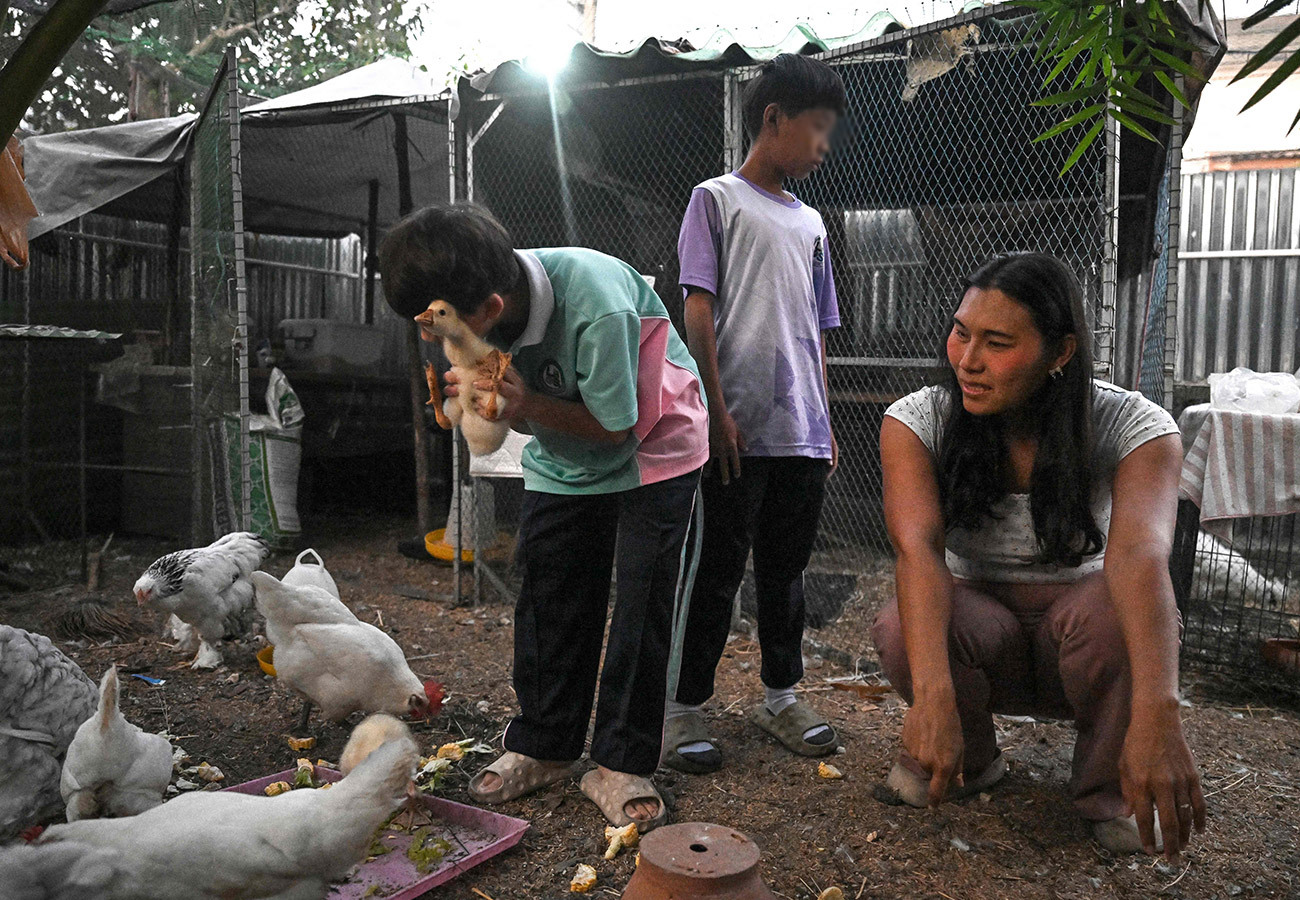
(456, 252)
(796, 84)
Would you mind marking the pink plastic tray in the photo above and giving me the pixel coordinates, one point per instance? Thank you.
(475, 835)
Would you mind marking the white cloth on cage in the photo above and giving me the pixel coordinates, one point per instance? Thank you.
(1240, 464)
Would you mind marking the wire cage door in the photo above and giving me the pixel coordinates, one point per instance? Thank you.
(222, 483)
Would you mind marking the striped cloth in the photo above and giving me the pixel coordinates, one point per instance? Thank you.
(1240, 464)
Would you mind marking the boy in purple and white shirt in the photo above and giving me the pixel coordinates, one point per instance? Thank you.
(756, 271)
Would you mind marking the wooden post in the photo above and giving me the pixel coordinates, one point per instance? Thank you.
(419, 387)
(372, 254)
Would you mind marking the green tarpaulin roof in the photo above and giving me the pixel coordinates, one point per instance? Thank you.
(656, 56)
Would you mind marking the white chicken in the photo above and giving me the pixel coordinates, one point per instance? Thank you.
(472, 359)
(330, 658)
(206, 592)
(112, 767)
(373, 732)
(60, 872)
(229, 846)
(44, 696)
(1220, 571)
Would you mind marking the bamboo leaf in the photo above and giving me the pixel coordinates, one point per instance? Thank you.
(1066, 124)
(1132, 125)
(1174, 91)
(1274, 6)
(1142, 110)
(1065, 59)
(1178, 64)
(1083, 145)
(1083, 93)
(1279, 75)
(1269, 51)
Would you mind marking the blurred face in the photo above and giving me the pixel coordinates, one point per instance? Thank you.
(802, 141)
(998, 354)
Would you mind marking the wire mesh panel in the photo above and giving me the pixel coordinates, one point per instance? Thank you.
(219, 317)
(609, 167)
(933, 171)
(1240, 600)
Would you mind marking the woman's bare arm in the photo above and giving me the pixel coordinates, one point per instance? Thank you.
(1156, 766)
(914, 519)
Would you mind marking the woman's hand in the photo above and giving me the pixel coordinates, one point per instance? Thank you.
(1156, 770)
(512, 390)
(932, 737)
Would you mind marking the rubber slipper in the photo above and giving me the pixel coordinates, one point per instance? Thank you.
(914, 789)
(689, 729)
(520, 775)
(791, 724)
(613, 791)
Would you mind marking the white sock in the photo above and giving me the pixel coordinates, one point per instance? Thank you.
(672, 710)
(778, 699)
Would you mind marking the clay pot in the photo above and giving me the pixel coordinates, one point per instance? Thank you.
(697, 860)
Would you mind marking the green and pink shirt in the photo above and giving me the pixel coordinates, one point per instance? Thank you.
(598, 334)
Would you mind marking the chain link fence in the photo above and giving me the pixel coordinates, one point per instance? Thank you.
(222, 485)
(933, 170)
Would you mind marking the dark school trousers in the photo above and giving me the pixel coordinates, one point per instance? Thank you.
(774, 508)
(567, 550)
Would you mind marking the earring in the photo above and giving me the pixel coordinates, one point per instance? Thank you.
(1056, 373)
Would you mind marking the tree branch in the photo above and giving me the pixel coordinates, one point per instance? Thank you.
(26, 71)
(224, 34)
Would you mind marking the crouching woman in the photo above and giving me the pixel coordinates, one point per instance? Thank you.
(1032, 512)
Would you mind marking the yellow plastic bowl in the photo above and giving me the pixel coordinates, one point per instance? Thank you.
(439, 549)
(264, 657)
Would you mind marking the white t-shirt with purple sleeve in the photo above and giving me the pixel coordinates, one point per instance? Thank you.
(765, 258)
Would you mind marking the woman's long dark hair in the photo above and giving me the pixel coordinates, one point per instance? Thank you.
(974, 464)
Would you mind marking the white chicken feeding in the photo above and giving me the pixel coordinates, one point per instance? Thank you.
(333, 660)
(44, 696)
(113, 768)
(206, 591)
(230, 846)
(472, 359)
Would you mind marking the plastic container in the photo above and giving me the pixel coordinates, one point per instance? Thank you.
(477, 834)
(313, 574)
(326, 345)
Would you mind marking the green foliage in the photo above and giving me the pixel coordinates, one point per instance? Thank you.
(1106, 56)
(1127, 57)
(171, 52)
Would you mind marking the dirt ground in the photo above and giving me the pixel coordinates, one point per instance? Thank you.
(1022, 841)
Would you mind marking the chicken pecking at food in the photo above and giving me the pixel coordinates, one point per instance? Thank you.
(472, 359)
(44, 696)
(112, 767)
(333, 660)
(206, 593)
(374, 732)
(229, 846)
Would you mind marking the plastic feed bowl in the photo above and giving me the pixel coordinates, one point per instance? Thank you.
(264, 659)
(436, 545)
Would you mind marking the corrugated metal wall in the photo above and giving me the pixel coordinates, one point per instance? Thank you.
(1237, 273)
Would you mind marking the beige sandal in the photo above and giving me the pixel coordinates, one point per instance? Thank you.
(791, 724)
(520, 775)
(613, 791)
